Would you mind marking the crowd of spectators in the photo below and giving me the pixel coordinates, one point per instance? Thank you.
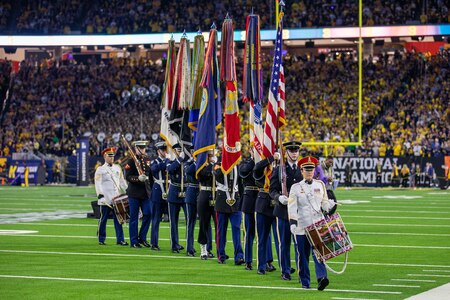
(405, 105)
(143, 16)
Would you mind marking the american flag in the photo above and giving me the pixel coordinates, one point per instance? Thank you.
(275, 115)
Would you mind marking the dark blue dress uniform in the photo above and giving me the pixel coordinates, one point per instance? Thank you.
(139, 197)
(293, 175)
(158, 198)
(192, 191)
(264, 218)
(228, 208)
(205, 210)
(248, 207)
(176, 200)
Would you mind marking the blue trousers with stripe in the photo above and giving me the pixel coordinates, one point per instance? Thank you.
(221, 239)
(144, 205)
(263, 225)
(303, 252)
(104, 212)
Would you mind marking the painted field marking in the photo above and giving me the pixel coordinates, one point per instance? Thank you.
(397, 285)
(397, 197)
(43, 204)
(401, 246)
(446, 271)
(395, 211)
(340, 298)
(15, 232)
(399, 233)
(190, 284)
(401, 225)
(413, 280)
(151, 256)
(428, 275)
(441, 292)
(395, 217)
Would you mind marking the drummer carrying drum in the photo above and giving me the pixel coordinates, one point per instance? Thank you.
(307, 199)
(109, 183)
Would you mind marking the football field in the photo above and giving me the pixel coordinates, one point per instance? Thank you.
(49, 250)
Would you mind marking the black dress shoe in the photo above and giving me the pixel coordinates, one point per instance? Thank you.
(204, 257)
(270, 268)
(156, 248)
(248, 266)
(323, 283)
(221, 261)
(292, 271)
(210, 255)
(180, 247)
(175, 251)
(261, 272)
(145, 244)
(306, 287)
(136, 246)
(227, 257)
(102, 243)
(190, 253)
(239, 261)
(122, 243)
(285, 276)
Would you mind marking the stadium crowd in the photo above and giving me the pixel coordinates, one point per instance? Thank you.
(141, 16)
(405, 104)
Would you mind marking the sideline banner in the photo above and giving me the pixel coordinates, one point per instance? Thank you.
(82, 161)
(363, 168)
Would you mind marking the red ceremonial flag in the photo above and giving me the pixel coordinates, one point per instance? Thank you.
(231, 148)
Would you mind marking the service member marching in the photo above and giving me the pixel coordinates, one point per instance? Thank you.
(192, 191)
(293, 175)
(307, 200)
(138, 191)
(176, 195)
(228, 208)
(109, 183)
(159, 192)
(248, 207)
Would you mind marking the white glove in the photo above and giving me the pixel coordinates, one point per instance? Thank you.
(213, 159)
(181, 155)
(277, 156)
(142, 177)
(283, 199)
(293, 229)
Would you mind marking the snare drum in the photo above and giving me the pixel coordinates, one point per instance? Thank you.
(121, 208)
(329, 237)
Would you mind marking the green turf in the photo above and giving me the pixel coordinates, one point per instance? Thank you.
(397, 233)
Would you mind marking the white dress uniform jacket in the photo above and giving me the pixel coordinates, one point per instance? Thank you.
(108, 180)
(305, 203)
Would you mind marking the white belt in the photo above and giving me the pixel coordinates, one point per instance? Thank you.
(224, 188)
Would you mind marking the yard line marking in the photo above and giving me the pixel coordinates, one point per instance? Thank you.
(401, 246)
(14, 232)
(399, 233)
(35, 216)
(94, 237)
(394, 217)
(428, 275)
(408, 225)
(413, 280)
(43, 204)
(395, 211)
(447, 271)
(187, 257)
(397, 285)
(190, 284)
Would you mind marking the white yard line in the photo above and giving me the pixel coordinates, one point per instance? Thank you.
(401, 246)
(398, 233)
(340, 298)
(396, 211)
(147, 252)
(412, 280)
(446, 271)
(397, 225)
(428, 275)
(190, 284)
(394, 217)
(397, 285)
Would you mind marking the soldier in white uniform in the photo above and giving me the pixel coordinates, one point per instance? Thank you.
(307, 199)
(109, 183)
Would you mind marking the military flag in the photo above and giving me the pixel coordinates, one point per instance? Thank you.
(210, 112)
(231, 147)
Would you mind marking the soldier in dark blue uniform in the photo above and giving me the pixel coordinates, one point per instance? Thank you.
(293, 175)
(159, 192)
(205, 206)
(138, 191)
(248, 207)
(176, 195)
(264, 217)
(228, 208)
(192, 191)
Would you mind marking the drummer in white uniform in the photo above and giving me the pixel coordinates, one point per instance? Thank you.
(307, 199)
(109, 183)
